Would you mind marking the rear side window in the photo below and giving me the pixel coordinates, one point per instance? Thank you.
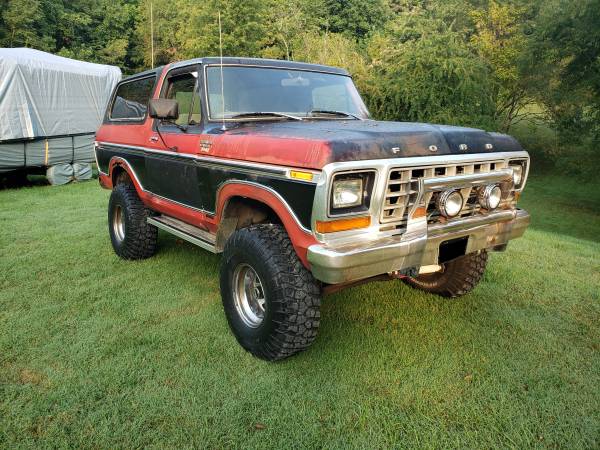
(131, 99)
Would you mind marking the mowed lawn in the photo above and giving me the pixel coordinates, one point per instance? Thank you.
(103, 353)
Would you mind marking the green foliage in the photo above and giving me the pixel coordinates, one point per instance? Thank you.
(290, 22)
(501, 42)
(166, 46)
(566, 48)
(20, 22)
(424, 71)
(356, 18)
(93, 30)
(507, 65)
(244, 26)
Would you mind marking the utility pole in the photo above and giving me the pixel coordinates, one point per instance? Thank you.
(151, 35)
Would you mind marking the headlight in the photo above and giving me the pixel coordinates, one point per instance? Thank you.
(351, 192)
(519, 168)
(347, 193)
(517, 174)
(450, 203)
(490, 196)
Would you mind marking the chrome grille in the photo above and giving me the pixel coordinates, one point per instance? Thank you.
(403, 185)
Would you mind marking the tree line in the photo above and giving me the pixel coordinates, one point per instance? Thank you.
(529, 67)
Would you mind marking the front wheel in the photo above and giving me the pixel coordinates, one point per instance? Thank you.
(457, 277)
(270, 299)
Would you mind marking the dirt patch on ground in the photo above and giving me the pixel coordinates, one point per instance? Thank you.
(28, 376)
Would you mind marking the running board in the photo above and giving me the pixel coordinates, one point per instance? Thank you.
(190, 233)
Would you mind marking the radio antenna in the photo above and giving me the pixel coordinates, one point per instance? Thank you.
(151, 36)
(223, 128)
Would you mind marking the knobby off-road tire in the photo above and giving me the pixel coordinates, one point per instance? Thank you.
(131, 235)
(458, 277)
(260, 267)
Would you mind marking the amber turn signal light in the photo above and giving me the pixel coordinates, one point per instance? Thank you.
(299, 175)
(343, 224)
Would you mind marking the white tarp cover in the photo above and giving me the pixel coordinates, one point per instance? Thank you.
(44, 95)
(59, 174)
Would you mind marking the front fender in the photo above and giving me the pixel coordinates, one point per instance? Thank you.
(301, 237)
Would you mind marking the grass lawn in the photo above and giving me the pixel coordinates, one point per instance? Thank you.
(99, 352)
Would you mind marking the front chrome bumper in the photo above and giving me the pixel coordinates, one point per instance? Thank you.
(359, 261)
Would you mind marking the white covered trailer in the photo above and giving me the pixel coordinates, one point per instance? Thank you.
(50, 108)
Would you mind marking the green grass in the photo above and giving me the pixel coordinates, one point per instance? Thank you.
(99, 352)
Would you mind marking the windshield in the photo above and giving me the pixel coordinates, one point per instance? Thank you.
(294, 92)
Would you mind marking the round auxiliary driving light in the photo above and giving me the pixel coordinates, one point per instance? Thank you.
(450, 203)
(490, 196)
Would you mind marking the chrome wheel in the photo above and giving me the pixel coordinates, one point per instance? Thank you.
(119, 223)
(248, 295)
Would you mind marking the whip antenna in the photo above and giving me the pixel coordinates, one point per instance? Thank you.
(222, 84)
(151, 36)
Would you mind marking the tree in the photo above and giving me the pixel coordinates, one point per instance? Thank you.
(20, 19)
(424, 71)
(288, 21)
(245, 29)
(501, 42)
(356, 18)
(567, 51)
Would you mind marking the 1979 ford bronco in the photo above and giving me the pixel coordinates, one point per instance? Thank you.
(278, 166)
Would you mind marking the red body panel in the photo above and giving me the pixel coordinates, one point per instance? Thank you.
(237, 146)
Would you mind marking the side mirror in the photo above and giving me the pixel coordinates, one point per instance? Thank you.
(163, 109)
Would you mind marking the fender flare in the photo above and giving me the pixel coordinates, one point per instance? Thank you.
(121, 162)
(301, 237)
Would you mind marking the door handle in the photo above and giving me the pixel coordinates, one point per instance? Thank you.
(154, 139)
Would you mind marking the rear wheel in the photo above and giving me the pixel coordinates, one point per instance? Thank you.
(131, 235)
(270, 299)
(457, 277)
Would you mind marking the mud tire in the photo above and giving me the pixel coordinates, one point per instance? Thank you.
(458, 277)
(137, 238)
(292, 296)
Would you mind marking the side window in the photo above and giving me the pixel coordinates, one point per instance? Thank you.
(183, 88)
(131, 99)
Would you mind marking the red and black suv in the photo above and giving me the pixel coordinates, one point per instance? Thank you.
(278, 166)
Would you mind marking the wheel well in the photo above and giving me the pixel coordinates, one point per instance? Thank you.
(119, 176)
(249, 212)
(242, 212)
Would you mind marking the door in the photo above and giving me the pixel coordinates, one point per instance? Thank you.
(171, 166)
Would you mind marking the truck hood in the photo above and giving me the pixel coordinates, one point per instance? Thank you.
(313, 144)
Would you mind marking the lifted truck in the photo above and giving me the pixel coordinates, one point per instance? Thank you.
(278, 166)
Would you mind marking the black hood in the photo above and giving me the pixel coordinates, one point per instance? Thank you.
(351, 140)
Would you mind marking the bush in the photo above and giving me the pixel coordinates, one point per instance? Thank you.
(423, 71)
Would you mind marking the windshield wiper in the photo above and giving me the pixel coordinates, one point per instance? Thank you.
(334, 113)
(264, 114)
